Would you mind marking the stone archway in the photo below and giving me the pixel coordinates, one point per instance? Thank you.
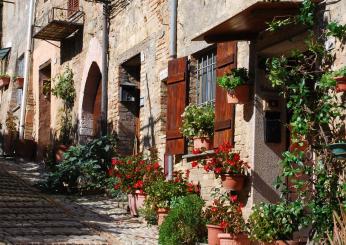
(91, 105)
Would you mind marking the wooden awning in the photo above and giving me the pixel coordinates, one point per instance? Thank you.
(247, 24)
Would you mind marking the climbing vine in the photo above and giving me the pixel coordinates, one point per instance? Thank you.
(307, 81)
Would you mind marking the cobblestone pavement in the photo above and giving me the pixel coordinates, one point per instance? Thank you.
(106, 215)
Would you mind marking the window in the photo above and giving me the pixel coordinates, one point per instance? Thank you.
(20, 66)
(206, 76)
(72, 7)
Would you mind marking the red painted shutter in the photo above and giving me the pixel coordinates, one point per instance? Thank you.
(226, 59)
(177, 98)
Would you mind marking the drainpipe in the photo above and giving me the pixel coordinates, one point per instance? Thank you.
(27, 58)
(104, 95)
(173, 30)
(172, 55)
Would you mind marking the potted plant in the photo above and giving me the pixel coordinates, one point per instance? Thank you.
(4, 80)
(227, 165)
(276, 223)
(225, 222)
(340, 77)
(134, 173)
(339, 150)
(161, 193)
(198, 125)
(64, 90)
(46, 88)
(19, 81)
(237, 85)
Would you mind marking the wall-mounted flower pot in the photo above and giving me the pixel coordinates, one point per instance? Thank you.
(202, 142)
(240, 95)
(19, 82)
(229, 239)
(213, 232)
(4, 81)
(161, 215)
(340, 84)
(136, 201)
(338, 150)
(233, 182)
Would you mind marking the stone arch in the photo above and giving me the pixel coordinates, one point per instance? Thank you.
(90, 93)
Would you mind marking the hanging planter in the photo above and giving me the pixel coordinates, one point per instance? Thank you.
(233, 182)
(338, 150)
(202, 143)
(240, 95)
(340, 84)
(19, 81)
(237, 86)
(4, 80)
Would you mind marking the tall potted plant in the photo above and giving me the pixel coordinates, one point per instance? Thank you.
(227, 165)
(237, 85)
(64, 90)
(198, 125)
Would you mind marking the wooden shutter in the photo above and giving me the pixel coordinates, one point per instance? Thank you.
(177, 99)
(72, 7)
(226, 58)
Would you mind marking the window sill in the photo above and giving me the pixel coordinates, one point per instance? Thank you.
(196, 156)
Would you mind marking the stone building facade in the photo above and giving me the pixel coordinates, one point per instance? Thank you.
(138, 57)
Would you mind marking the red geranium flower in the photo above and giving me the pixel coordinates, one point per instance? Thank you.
(196, 151)
(194, 164)
(218, 170)
(224, 224)
(156, 165)
(234, 198)
(114, 161)
(236, 157)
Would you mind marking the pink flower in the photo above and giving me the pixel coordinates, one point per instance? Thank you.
(234, 198)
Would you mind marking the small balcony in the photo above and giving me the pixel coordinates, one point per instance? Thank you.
(58, 23)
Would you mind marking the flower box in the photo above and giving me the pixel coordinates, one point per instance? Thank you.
(213, 232)
(230, 239)
(340, 84)
(4, 81)
(240, 95)
(202, 143)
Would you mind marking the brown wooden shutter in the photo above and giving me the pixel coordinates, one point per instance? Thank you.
(72, 7)
(226, 58)
(177, 99)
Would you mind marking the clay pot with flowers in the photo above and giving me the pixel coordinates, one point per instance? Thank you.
(228, 166)
(198, 125)
(340, 78)
(225, 222)
(133, 174)
(237, 85)
(162, 192)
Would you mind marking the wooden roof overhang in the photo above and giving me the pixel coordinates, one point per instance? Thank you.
(247, 24)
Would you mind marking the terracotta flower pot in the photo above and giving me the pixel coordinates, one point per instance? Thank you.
(288, 242)
(229, 239)
(19, 81)
(240, 95)
(59, 152)
(213, 232)
(340, 84)
(162, 214)
(4, 81)
(233, 182)
(136, 202)
(297, 147)
(202, 142)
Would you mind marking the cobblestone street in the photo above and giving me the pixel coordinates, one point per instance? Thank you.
(29, 217)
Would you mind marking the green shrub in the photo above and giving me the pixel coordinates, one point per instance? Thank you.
(85, 167)
(184, 223)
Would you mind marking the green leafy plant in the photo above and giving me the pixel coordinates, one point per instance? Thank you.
(336, 30)
(11, 124)
(340, 73)
(237, 77)
(269, 222)
(198, 121)
(4, 75)
(184, 223)
(64, 90)
(85, 167)
(46, 90)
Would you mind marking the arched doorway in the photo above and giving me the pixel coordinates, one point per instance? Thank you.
(91, 105)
